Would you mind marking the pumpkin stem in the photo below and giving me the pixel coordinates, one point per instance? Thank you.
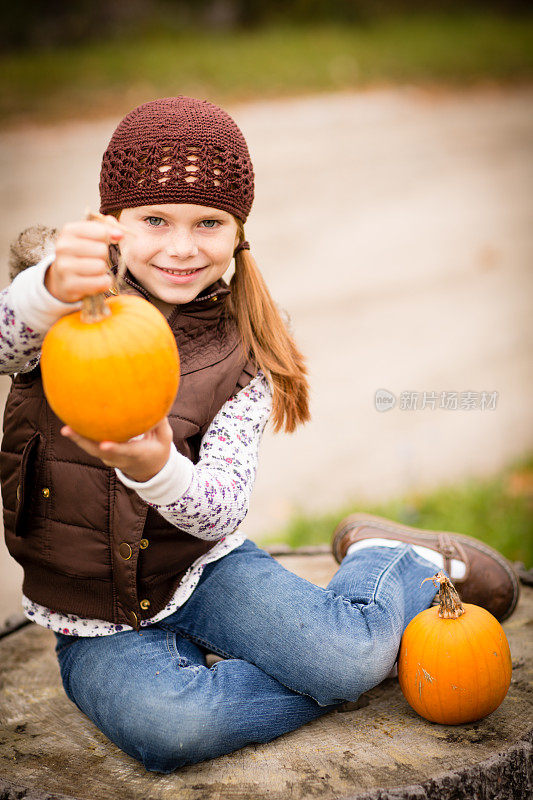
(94, 308)
(88, 314)
(450, 606)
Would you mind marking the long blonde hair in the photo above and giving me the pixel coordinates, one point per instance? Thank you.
(266, 337)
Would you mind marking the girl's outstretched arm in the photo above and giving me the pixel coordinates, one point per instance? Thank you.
(27, 311)
(75, 265)
(210, 499)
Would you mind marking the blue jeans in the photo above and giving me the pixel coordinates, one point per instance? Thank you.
(293, 652)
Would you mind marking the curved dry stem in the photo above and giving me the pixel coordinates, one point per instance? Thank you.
(94, 308)
(450, 606)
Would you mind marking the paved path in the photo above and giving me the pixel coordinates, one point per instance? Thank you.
(395, 226)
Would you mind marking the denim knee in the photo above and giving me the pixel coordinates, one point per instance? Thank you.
(161, 754)
(175, 737)
(348, 670)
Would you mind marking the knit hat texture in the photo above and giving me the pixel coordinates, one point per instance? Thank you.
(177, 150)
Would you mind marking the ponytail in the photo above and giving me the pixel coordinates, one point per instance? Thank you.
(265, 336)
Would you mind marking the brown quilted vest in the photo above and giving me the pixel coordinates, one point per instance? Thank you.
(88, 545)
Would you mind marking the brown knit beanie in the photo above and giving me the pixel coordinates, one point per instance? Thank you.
(177, 150)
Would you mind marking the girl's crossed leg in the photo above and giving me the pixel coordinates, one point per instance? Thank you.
(293, 650)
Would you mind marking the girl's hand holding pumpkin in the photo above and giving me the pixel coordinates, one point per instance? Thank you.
(139, 459)
(81, 265)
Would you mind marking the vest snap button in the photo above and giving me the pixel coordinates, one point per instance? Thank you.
(45, 492)
(134, 618)
(125, 551)
(143, 544)
(144, 604)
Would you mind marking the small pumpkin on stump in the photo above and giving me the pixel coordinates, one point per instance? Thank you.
(454, 664)
(111, 370)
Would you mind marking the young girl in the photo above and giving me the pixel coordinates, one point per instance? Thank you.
(132, 552)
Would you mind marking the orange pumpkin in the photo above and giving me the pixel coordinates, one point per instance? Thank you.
(111, 370)
(454, 664)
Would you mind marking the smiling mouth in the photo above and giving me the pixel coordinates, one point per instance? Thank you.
(179, 271)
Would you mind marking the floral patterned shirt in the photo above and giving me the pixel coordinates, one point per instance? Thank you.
(208, 499)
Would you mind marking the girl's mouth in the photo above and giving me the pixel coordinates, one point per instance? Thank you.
(180, 275)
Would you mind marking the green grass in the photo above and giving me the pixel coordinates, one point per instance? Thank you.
(110, 77)
(497, 511)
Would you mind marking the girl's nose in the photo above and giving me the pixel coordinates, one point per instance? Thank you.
(181, 245)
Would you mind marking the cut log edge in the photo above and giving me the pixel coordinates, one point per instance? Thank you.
(504, 776)
(11, 791)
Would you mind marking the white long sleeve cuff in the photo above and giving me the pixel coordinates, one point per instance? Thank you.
(170, 483)
(31, 301)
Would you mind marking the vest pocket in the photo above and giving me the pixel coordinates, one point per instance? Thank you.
(26, 482)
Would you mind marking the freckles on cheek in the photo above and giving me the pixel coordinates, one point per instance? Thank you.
(224, 252)
(138, 256)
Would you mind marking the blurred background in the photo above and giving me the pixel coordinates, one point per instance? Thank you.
(392, 147)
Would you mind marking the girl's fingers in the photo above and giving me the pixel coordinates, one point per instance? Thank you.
(132, 447)
(90, 229)
(72, 265)
(70, 433)
(140, 458)
(88, 445)
(113, 221)
(113, 448)
(159, 434)
(109, 450)
(76, 289)
(79, 248)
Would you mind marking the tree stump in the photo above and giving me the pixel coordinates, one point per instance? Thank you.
(376, 749)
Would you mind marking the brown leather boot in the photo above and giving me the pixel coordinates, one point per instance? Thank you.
(489, 581)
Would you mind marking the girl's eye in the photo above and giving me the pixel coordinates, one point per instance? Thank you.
(155, 222)
(210, 223)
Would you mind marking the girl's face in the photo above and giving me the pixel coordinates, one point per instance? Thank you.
(179, 249)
